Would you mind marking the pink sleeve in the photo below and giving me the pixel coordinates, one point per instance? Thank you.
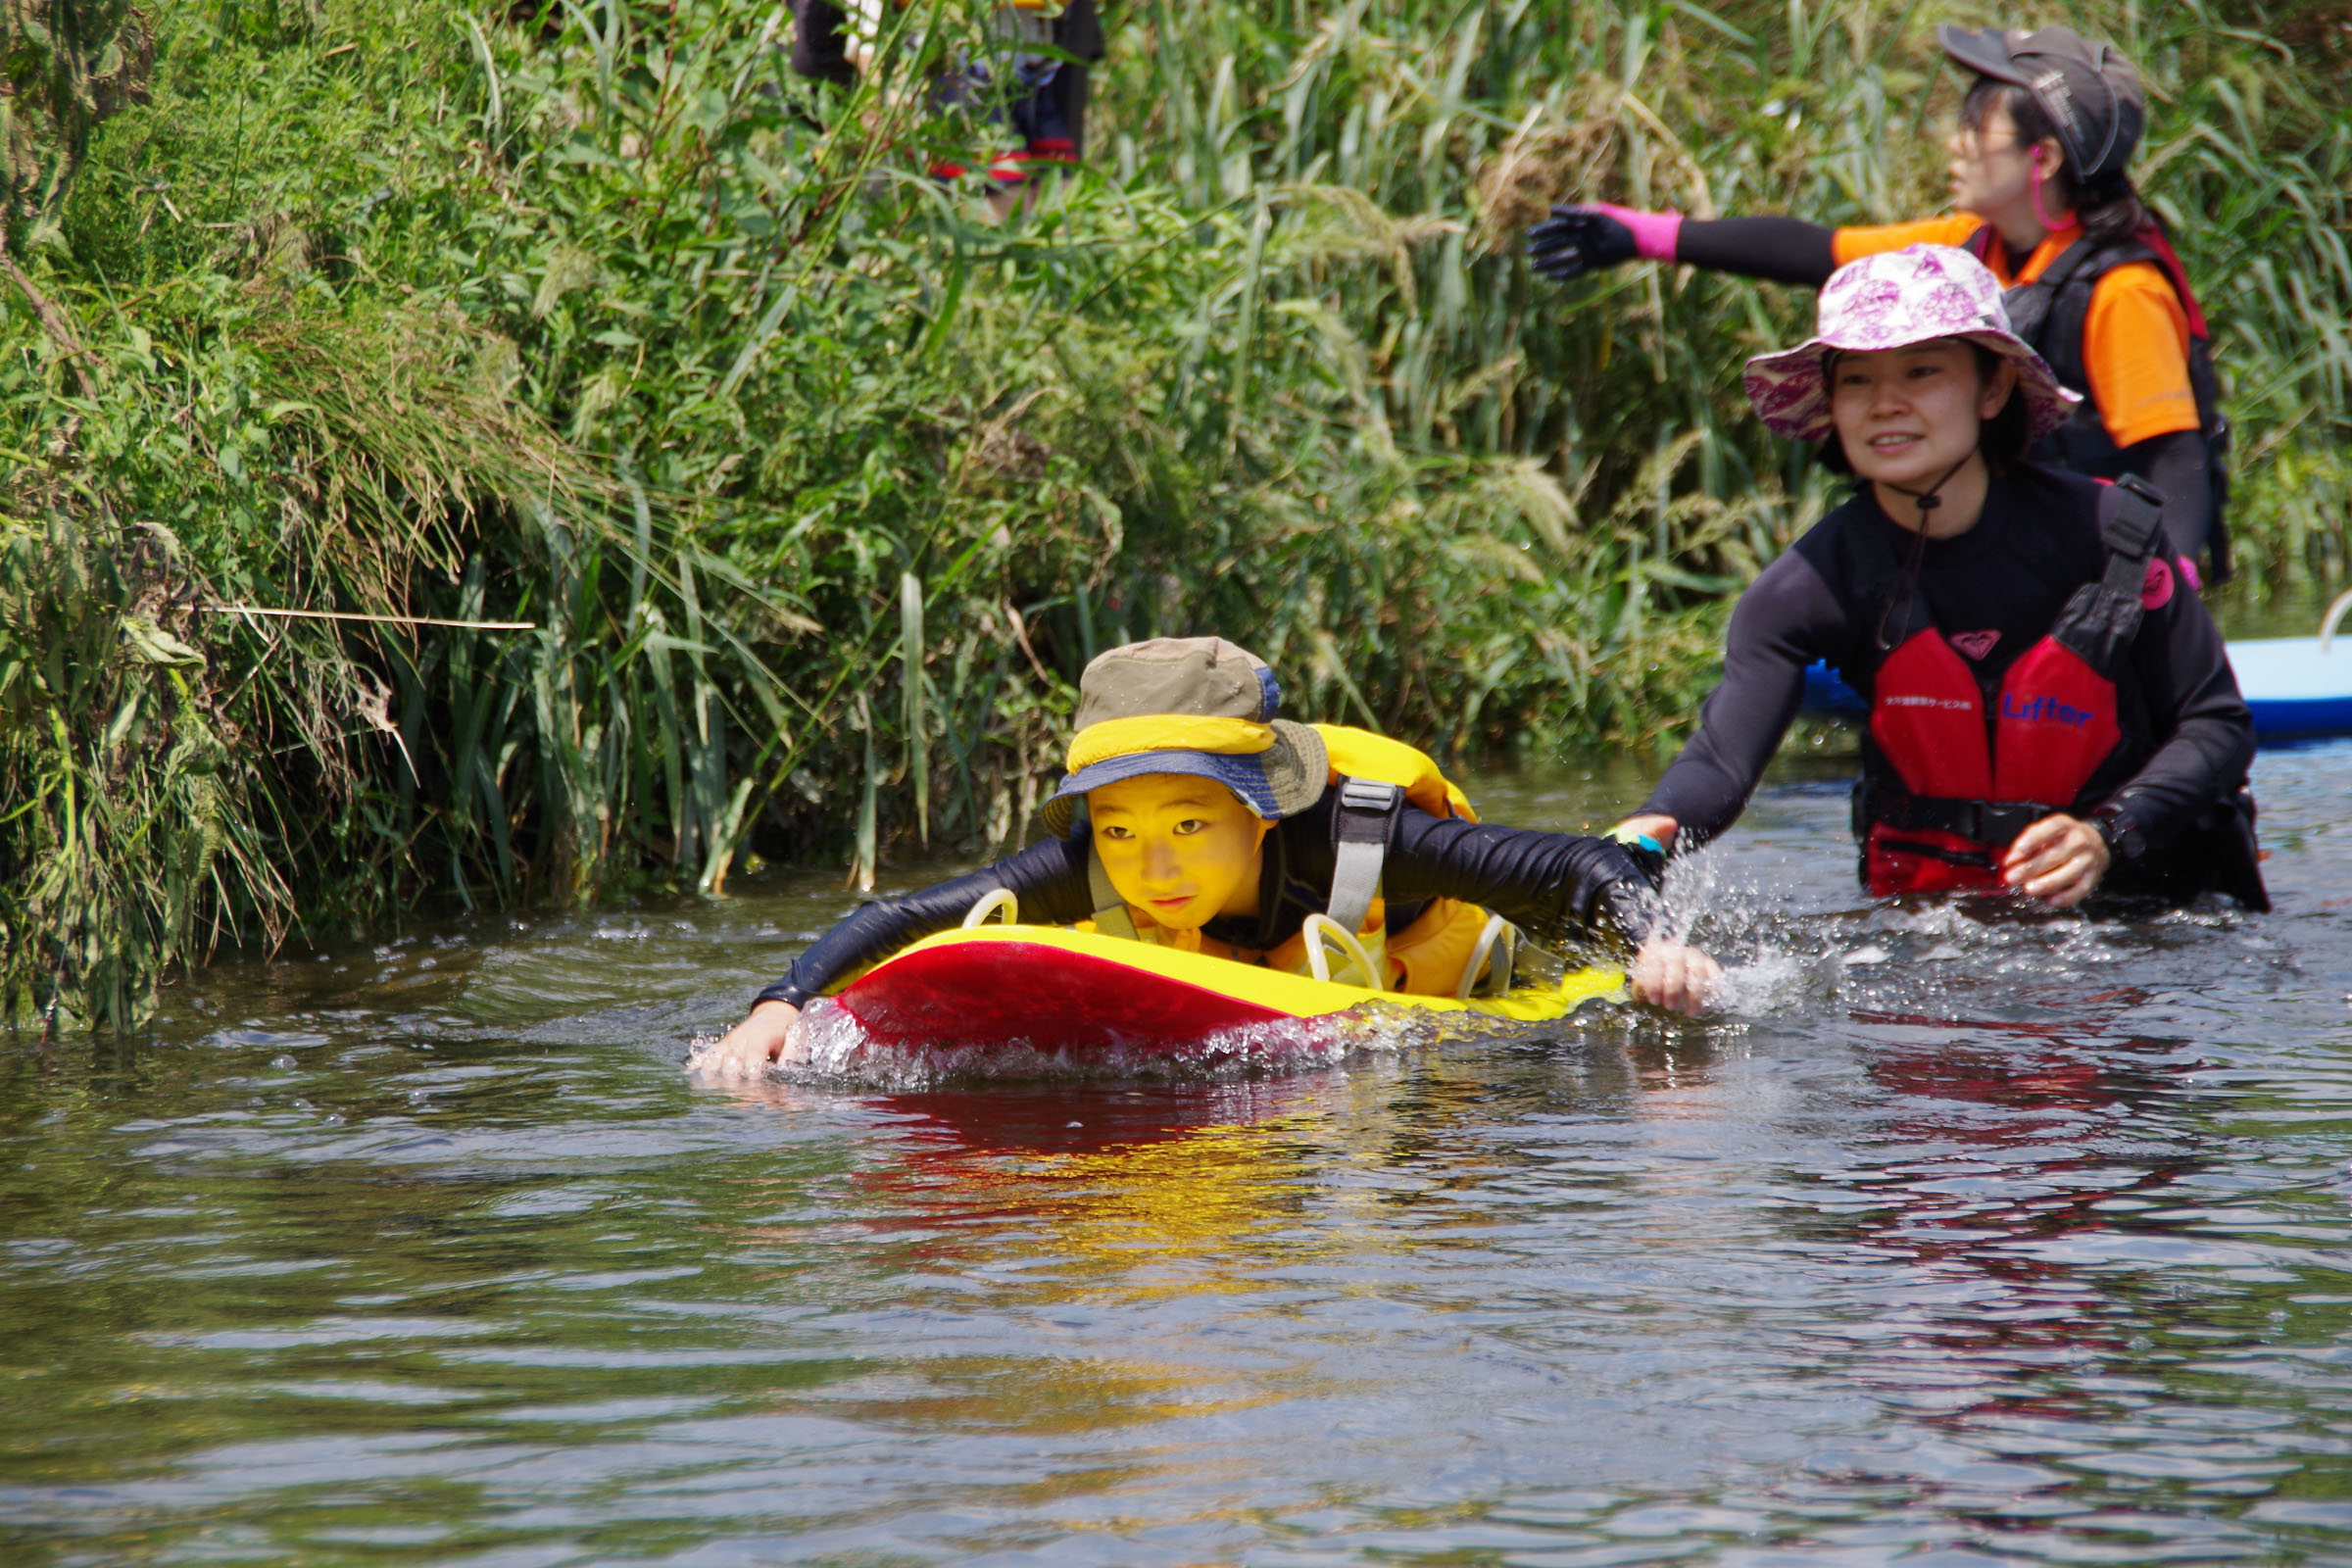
(1654, 233)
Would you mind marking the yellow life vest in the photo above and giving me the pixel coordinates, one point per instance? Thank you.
(1426, 958)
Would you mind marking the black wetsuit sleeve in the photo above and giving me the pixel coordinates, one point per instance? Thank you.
(2184, 672)
(2175, 464)
(1556, 887)
(1049, 879)
(1788, 617)
(1786, 250)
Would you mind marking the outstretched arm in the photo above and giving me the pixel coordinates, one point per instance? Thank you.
(1788, 617)
(1047, 878)
(1590, 235)
(1557, 887)
(1585, 239)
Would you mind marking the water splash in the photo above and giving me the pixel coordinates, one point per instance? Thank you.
(1774, 958)
(1779, 956)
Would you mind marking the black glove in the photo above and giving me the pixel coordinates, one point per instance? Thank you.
(1576, 240)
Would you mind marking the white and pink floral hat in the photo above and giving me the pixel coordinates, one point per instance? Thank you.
(1891, 301)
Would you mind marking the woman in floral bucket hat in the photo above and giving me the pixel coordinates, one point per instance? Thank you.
(1192, 817)
(2051, 711)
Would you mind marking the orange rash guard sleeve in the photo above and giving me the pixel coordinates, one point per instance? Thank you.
(1952, 229)
(2135, 356)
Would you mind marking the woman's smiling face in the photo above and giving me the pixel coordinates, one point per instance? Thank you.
(1907, 417)
(1183, 849)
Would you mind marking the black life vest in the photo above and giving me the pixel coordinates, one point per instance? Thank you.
(1951, 772)
(2050, 313)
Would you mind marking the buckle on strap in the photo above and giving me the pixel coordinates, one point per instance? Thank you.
(1977, 821)
(1361, 837)
(2000, 821)
(1360, 798)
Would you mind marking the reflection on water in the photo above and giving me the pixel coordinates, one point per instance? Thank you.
(1964, 1237)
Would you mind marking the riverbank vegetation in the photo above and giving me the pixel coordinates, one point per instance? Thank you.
(811, 490)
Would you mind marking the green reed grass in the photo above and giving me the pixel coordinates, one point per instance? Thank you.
(818, 490)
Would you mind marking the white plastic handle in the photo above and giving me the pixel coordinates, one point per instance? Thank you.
(1497, 929)
(988, 903)
(1319, 929)
(2335, 614)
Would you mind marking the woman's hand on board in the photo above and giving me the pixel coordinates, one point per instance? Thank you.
(771, 1033)
(2059, 860)
(1674, 976)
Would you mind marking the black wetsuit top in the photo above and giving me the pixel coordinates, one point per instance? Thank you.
(1557, 887)
(2009, 576)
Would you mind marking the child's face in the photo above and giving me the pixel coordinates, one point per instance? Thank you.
(1179, 847)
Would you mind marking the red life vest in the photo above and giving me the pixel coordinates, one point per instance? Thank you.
(1969, 777)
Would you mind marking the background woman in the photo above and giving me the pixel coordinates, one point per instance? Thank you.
(2037, 174)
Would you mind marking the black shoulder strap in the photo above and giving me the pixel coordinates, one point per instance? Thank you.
(2102, 617)
(2049, 312)
(2099, 258)
(2131, 522)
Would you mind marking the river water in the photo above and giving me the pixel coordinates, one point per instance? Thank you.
(1956, 1240)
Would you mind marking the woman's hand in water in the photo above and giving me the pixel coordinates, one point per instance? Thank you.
(772, 1033)
(2059, 860)
(1668, 974)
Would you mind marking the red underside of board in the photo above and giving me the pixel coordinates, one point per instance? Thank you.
(1016, 993)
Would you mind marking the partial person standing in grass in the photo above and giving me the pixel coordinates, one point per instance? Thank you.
(1025, 94)
(2051, 714)
(2039, 178)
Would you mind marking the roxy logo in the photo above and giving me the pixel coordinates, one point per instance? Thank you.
(2044, 711)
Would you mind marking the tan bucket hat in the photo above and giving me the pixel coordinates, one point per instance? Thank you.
(1189, 705)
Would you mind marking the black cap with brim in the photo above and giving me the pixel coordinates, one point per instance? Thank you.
(2091, 94)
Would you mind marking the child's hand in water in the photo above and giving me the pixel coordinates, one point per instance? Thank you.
(772, 1033)
(1672, 976)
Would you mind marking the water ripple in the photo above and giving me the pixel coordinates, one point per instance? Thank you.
(1960, 1238)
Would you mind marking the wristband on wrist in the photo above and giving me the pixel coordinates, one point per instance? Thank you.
(1655, 234)
(1647, 853)
(2121, 835)
(1643, 840)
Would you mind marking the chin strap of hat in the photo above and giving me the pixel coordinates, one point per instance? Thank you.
(1906, 583)
(1361, 836)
